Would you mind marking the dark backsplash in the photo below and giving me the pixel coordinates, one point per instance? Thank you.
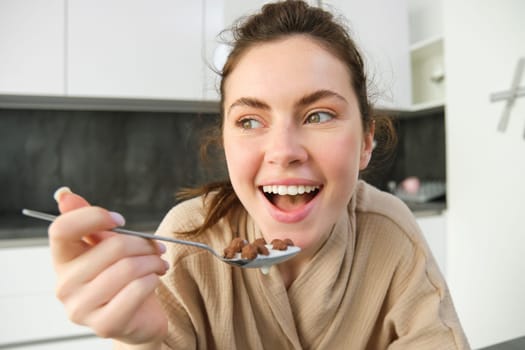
(135, 162)
(132, 162)
(420, 151)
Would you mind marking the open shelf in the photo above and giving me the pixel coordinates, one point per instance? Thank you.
(423, 47)
(428, 71)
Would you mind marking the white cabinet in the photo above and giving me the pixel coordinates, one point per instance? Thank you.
(162, 49)
(30, 310)
(428, 72)
(95, 48)
(380, 28)
(32, 47)
(135, 49)
(426, 53)
(435, 233)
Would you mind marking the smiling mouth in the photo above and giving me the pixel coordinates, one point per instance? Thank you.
(289, 198)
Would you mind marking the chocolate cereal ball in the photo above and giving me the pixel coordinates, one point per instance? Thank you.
(278, 244)
(249, 252)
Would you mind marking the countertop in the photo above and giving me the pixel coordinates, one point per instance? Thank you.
(20, 231)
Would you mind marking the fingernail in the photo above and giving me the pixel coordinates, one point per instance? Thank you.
(166, 264)
(162, 248)
(60, 192)
(117, 218)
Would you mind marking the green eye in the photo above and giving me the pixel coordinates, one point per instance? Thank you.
(249, 123)
(318, 117)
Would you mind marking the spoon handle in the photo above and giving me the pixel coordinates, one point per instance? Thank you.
(48, 217)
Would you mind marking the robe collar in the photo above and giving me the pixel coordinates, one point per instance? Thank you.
(309, 310)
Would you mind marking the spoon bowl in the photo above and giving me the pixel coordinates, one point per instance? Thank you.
(261, 261)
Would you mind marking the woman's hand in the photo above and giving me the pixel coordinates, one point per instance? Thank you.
(106, 281)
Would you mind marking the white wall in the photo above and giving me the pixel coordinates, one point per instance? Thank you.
(485, 169)
(425, 18)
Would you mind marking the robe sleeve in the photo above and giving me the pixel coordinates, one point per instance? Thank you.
(423, 315)
(181, 332)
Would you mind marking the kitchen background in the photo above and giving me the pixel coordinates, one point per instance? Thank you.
(135, 162)
(131, 161)
(112, 98)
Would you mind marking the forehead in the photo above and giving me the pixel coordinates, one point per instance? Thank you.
(292, 66)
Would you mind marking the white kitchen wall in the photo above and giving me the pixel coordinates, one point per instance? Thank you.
(425, 18)
(485, 168)
(483, 41)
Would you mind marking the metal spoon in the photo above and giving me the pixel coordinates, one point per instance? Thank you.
(261, 261)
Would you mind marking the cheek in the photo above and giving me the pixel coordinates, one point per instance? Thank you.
(241, 161)
(341, 156)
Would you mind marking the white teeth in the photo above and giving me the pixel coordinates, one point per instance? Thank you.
(289, 190)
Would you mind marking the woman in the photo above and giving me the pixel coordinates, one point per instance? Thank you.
(297, 130)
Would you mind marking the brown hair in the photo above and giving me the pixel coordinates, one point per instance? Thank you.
(276, 21)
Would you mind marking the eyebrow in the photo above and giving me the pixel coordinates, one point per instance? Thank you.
(303, 101)
(249, 102)
(318, 95)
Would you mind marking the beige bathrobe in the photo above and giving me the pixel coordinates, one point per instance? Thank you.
(373, 285)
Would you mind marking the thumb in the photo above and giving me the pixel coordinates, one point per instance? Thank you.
(68, 200)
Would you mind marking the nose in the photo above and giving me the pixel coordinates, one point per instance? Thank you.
(285, 147)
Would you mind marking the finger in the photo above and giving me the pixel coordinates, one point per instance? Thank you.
(115, 318)
(97, 259)
(68, 201)
(109, 283)
(67, 231)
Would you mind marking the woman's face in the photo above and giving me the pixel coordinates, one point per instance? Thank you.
(293, 138)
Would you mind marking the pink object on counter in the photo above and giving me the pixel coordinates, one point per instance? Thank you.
(411, 184)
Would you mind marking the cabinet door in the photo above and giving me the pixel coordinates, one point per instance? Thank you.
(380, 29)
(435, 233)
(135, 49)
(32, 47)
(30, 310)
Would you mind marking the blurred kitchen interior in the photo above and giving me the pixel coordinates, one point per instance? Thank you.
(112, 98)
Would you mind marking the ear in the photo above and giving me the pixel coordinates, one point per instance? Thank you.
(367, 147)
